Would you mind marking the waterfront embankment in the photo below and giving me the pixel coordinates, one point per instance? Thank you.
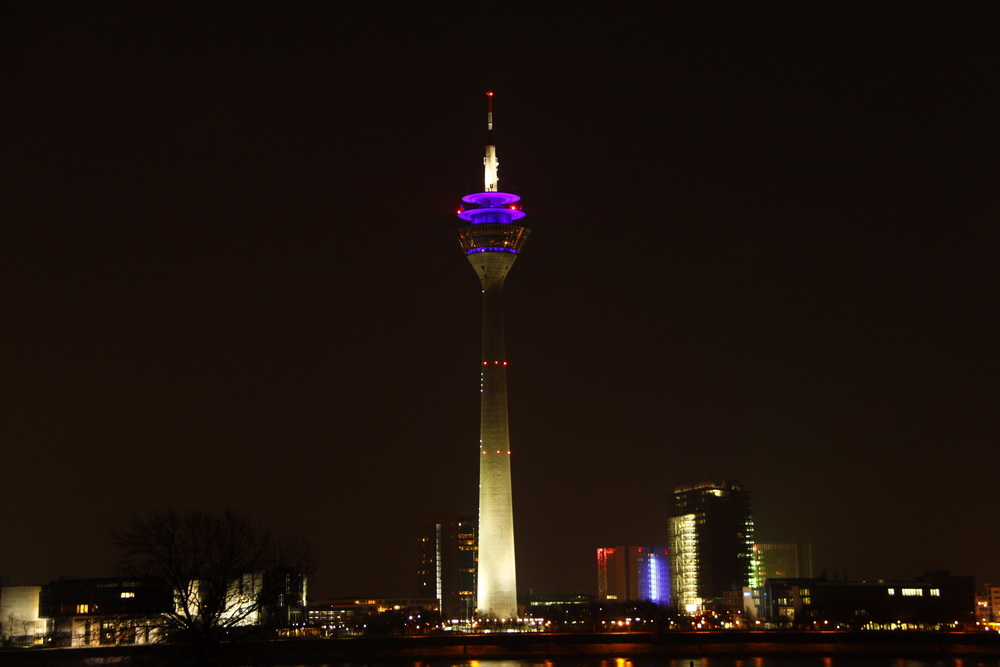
(542, 646)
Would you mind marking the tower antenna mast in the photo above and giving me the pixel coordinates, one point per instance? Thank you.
(491, 161)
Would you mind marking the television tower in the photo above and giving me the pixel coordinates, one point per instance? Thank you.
(491, 238)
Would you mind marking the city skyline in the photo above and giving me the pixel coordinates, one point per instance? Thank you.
(768, 254)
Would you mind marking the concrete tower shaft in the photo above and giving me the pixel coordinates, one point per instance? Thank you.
(497, 582)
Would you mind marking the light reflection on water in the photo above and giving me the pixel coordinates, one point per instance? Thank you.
(843, 661)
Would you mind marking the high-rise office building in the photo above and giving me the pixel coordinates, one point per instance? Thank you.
(617, 573)
(491, 238)
(711, 546)
(447, 563)
(633, 573)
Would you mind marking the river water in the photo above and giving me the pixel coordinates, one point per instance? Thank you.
(840, 661)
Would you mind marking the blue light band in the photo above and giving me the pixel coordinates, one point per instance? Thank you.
(491, 250)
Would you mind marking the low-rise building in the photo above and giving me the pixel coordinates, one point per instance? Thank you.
(347, 615)
(935, 600)
(20, 624)
(988, 605)
(103, 612)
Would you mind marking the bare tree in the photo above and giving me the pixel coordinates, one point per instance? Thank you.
(216, 564)
(17, 631)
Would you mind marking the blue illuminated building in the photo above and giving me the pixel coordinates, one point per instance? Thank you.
(654, 575)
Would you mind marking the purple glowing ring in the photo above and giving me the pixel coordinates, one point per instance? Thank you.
(471, 214)
(491, 199)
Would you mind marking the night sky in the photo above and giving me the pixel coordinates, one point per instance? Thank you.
(764, 247)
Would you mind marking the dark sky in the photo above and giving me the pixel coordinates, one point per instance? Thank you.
(764, 246)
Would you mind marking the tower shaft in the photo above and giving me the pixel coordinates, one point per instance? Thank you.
(497, 586)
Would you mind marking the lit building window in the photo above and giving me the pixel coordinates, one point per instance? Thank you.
(128, 594)
(83, 608)
(936, 592)
(913, 592)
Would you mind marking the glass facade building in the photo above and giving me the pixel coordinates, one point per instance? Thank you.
(711, 545)
(783, 561)
(446, 570)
